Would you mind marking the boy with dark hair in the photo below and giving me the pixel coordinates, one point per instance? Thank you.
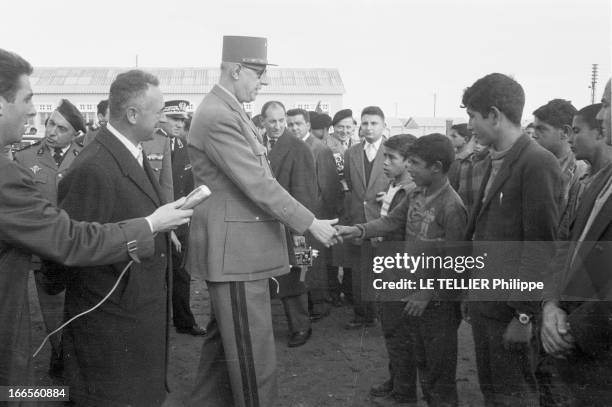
(518, 202)
(401, 385)
(430, 212)
(553, 128)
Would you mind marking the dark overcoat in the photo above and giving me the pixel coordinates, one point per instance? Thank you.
(117, 354)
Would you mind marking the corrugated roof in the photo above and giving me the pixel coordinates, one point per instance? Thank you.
(79, 80)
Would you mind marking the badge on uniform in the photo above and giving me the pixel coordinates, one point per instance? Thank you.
(155, 157)
(35, 169)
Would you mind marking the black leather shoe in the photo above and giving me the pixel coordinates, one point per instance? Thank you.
(353, 324)
(382, 389)
(299, 338)
(192, 330)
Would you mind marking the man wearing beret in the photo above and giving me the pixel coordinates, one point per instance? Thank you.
(30, 224)
(49, 161)
(237, 239)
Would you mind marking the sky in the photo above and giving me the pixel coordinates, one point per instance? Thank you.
(392, 53)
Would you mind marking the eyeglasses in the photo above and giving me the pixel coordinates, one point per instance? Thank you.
(258, 72)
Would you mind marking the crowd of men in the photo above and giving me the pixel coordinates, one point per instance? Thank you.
(284, 182)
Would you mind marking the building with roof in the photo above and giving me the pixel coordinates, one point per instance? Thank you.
(420, 126)
(85, 87)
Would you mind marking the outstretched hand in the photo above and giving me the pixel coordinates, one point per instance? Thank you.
(348, 232)
(323, 230)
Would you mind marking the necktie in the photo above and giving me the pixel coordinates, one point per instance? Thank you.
(272, 141)
(139, 156)
(370, 151)
(57, 155)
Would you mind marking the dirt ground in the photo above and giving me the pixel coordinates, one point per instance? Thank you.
(335, 368)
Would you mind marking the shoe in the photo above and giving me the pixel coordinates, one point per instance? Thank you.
(299, 338)
(382, 389)
(320, 314)
(353, 324)
(192, 330)
(395, 400)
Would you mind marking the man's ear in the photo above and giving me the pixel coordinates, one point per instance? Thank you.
(495, 114)
(437, 166)
(566, 132)
(131, 114)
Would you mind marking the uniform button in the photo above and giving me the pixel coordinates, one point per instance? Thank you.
(364, 203)
(256, 217)
(59, 175)
(162, 255)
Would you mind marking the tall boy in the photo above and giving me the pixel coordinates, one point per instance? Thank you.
(431, 212)
(518, 201)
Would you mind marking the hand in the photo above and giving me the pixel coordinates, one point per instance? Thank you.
(299, 241)
(175, 241)
(465, 312)
(517, 335)
(168, 217)
(324, 232)
(555, 336)
(348, 232)
(380, 197)
(417, 302)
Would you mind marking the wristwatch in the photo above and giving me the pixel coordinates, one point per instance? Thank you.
(523, 318)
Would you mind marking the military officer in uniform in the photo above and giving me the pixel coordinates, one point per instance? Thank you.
(158, 151)
(49, 160)
(173, 125)
(237, 238)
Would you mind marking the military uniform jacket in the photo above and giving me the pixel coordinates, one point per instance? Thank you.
(237, 234)
(38, 158)
(116, 355)
(29, 223)
(158, 153)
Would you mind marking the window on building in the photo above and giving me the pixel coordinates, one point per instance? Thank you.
(248, 107)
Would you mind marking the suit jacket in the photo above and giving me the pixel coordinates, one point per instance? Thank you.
(29, 223)
(328, 182)
(38, 158)
(293, 167)
(522, 206)
(587, 284)
(117, 353)
(362, 205)
(158, 153)
(237, 234)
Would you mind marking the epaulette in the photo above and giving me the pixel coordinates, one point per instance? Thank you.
(28, 146)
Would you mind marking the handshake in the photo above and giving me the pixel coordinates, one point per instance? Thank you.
(328, 233)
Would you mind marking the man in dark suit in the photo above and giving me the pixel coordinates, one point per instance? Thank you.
(294, 168)
(33, 225)
(517, 202)
(237, 239)
(365, 178)
(117, 354)
(172, 124)
(577, 316)
(329, 194)
(103, 114)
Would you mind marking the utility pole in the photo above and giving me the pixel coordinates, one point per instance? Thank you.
(136, 60)
(593, 82)
(435, 104)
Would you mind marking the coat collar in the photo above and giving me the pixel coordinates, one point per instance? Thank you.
(505, 171)
(356, 156)
(144, 180)
(237, 107)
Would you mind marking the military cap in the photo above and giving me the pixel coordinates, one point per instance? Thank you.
(176, 108)
(320, 121)
(341, 115)
(245, 50)
(72, 115)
